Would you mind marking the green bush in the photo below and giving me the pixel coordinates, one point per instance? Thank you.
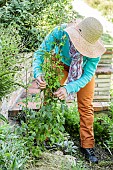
(72, 121)
(44, 126)
(9, 49)
(110, 140)
(35, 18)
(107, 39)
(13, 153)
(102, 126)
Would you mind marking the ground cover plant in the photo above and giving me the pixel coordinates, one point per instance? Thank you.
(13, 153)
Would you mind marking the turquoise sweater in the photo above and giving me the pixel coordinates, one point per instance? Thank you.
(58, 33)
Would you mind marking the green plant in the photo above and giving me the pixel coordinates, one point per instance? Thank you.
(13, 154)
(52, 71)
(44, 126)
(103, 126)
(35, 18)
(47, 125)
(9, 49)
(2, 117)
(72, 121)
(110, 122)
(107, 39)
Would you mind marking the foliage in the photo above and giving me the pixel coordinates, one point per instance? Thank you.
(13, 154)
(72, 121)
(102, 126)
(2, 117)
(46, 125)
(9, 49)
(105, 6)
(52, 71)
(110, 141)
(35, 18)
(27, 22)
(107, 39)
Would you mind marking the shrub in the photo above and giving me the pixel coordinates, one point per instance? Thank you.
(102, 128)
(107, 39)
(44, 126)
(13, 154)
(110, 140)
(72, 121)
(35, 18)
(9, 49)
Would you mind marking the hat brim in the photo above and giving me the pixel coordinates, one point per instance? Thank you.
(83, 46)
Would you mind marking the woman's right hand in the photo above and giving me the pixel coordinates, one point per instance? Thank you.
(41, 82)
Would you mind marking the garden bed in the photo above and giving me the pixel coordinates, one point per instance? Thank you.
(58, 161)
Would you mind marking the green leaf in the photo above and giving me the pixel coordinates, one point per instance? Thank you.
(2, 117)
(13, 166)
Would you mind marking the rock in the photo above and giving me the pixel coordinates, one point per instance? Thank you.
(49, 161)
(58, 153)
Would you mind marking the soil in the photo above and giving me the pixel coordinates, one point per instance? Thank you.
(52, 161)
(103, 155)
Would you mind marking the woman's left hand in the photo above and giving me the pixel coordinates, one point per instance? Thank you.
(61, 93)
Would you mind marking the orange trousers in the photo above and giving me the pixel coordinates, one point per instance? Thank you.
(85, 108)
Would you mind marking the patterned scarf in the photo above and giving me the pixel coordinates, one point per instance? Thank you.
(75, 69)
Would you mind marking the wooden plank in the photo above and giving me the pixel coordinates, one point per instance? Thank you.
(104, 85)
(105, 61)
(101, 98)
(101, 106)
(107, 56)
(104, 76)
(105, 93)
(102, 89)
(104, 65)
(104, 70)
(102, 80)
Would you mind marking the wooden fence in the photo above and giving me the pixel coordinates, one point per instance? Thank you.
(103, 76)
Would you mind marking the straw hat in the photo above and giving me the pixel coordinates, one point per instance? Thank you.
(86, 37)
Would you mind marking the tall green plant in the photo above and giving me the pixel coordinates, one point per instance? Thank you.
(46, 125)
(9, 49)
(52, 71)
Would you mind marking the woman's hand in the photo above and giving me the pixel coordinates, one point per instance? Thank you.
(41, 82)
(61, 93)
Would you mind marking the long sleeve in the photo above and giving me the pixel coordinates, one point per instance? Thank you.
(88, 72)
(47, 45)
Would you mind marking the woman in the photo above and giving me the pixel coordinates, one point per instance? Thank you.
(80, 54)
